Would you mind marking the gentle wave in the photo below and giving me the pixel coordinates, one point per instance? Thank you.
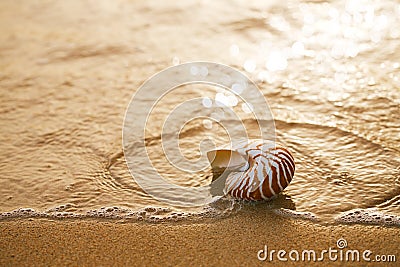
(152, 214)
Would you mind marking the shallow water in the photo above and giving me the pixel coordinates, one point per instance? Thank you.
(330, 72)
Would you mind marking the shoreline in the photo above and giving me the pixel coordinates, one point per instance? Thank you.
(329, 72)
(233, 241)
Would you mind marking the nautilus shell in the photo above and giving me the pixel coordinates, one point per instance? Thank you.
(257, 169)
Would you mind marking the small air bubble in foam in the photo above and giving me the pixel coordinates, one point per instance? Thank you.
(150, 209)
(165, 209)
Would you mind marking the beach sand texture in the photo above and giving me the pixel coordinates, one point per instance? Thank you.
(68, 69)
(229, 242)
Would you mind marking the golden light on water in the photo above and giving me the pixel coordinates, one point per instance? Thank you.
(340, 31)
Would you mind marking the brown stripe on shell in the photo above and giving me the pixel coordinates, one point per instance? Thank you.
(274, 180)
(283, 177)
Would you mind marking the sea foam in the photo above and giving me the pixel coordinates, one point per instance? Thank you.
(374, 217)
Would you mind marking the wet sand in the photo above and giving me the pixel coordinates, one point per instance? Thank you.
(233, 241)
(68, 70)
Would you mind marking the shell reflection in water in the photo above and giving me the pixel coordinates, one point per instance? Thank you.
(256, 169)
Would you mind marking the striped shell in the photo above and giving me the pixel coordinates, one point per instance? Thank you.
(259, 169)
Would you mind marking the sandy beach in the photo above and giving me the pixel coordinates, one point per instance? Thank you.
(230, 242)
(68, 69)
